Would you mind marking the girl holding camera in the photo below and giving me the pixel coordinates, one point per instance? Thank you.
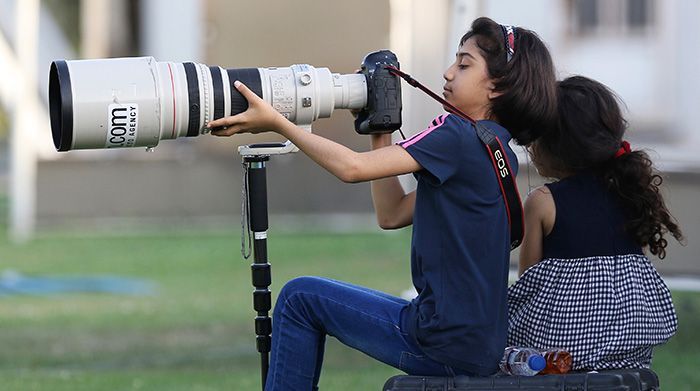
(586, 284)
(460, 249)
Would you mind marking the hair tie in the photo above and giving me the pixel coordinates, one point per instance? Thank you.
(509, 39)
(624, 149)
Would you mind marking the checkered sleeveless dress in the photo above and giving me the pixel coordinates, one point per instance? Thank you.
(594, 293)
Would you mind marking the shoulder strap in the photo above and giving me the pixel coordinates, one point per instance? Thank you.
(499, 159)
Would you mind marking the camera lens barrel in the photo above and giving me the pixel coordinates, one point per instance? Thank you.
(136, 102)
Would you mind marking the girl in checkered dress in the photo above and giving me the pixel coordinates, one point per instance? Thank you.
(586, 284)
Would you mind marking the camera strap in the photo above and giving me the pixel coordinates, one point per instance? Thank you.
(499, 159)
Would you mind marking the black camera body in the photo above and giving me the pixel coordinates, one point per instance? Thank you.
(382, 114)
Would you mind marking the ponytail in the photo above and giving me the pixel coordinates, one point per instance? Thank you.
(635, 181)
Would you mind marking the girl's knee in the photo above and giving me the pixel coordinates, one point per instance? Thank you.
(299, 285)
(296, 297)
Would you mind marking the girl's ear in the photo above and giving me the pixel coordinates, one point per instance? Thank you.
(493, 94)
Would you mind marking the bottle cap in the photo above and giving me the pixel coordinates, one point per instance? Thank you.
(536, 362)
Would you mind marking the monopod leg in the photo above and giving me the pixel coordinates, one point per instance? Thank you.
(262, 301)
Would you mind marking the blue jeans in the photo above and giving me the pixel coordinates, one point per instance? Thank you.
(309, 308)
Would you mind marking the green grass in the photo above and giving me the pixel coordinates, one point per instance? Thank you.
(197, 332)
(677, 362)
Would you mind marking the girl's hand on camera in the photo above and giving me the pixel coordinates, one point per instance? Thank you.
(260, 117)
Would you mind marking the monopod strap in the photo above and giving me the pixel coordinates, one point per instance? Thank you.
(245, 216)
(499, 159)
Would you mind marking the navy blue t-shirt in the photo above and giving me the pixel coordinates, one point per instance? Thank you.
(460, 247)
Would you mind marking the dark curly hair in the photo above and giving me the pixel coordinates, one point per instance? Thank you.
(590, 123)
(528, 101)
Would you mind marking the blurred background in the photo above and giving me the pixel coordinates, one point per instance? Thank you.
(171, 218)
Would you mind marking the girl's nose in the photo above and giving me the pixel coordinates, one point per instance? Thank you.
(447, 75)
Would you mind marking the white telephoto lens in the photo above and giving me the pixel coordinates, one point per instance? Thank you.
(136, 102)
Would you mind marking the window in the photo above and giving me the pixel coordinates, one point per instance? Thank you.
(608, 17)
(638, 13)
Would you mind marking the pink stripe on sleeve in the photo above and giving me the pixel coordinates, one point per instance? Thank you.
(417, 137)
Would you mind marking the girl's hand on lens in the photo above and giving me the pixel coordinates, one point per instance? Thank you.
(260, 117)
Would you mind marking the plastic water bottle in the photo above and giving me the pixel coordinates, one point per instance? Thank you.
(520, 361)
(558, 361)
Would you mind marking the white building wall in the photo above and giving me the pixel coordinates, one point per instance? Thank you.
(685, 70)
(418, 36)
(173, 30)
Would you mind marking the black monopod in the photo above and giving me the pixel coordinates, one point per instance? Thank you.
(255, 216)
